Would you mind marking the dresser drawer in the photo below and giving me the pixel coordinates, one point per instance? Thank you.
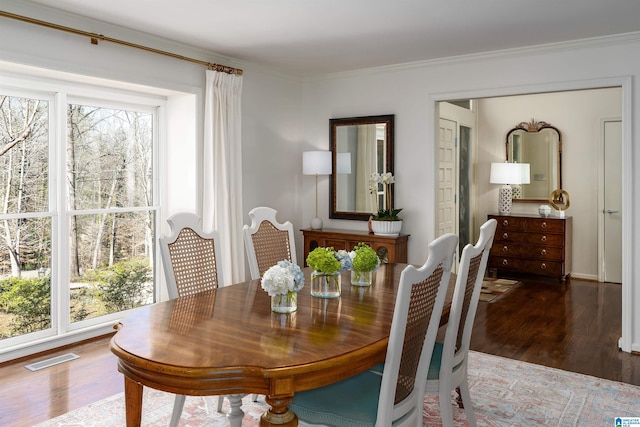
(529, 266)
(545, 225)
(551, 253)
(529, 238)
(510, 223)
(543, 268)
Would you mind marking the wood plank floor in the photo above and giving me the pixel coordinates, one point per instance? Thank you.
(573, 327)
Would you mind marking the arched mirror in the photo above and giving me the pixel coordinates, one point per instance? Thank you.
(540, 145)
(360, 146)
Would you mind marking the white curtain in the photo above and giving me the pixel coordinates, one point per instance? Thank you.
(222, 171)
(365, 166)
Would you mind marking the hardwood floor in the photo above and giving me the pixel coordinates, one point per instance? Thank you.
(574, 327)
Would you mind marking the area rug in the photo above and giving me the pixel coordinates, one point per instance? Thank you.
(493, 288)
(504, 393)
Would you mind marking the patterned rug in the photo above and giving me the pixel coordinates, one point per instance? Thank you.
(504, 393)
(493, 288)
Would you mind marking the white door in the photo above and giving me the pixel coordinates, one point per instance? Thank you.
(456, 188)
(447, 183)
(612, 211)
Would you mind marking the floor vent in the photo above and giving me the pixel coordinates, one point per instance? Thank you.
(50, 362)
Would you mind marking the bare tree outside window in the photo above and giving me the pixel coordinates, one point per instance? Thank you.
(108, 183)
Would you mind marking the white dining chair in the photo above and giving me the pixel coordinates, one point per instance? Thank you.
(392, 395)
(267, 241)
(189, 257)
(448, 368)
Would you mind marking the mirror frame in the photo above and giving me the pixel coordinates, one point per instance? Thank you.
(535, 127)
(388, 120)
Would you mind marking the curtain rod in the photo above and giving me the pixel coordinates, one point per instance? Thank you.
(96, 37)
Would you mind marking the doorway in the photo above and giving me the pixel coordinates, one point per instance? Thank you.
(486, 200)
(456, 190)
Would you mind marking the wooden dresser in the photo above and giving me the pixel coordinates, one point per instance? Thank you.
(531, 244)
(389, 248)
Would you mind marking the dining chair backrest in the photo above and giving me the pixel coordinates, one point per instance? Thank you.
(448, 367)
(267, 241)
(391, 394)
(471, 271)
(189, 256)
(416, 319)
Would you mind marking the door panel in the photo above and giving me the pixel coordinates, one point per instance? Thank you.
(612, 211)
(447, 217)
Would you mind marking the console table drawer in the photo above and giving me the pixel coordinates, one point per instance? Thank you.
(389, 248)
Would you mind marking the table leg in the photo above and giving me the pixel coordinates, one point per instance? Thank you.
(133, 402)
(279, 414)
(235, 414)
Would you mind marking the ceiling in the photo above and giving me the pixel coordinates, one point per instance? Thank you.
(310, 37)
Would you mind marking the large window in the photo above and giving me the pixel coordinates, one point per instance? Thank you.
(77, 209)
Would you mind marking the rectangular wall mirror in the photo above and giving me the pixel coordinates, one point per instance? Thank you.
(360, 146)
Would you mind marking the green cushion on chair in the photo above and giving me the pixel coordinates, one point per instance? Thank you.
(349, 403)
(436, 361)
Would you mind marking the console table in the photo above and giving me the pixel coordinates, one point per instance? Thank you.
(532, 244)
(389, 248)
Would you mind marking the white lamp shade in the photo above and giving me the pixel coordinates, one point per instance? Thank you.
(343, 163)
(316, 163)
(509, 173)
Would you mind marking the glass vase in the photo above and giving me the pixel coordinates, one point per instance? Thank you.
(284, 303)
(361, 278)
(325, 285)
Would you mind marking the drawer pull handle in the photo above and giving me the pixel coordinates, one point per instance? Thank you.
(505, 222)
(543, 225)
(505, 262)
(543, 266)
(543, 239)
(505, 236)
(505, 248)
(543, 252)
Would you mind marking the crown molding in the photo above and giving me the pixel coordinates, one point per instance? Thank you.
(613, 40)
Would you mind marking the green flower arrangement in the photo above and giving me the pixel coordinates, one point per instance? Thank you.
(328, 260)
(364, 258)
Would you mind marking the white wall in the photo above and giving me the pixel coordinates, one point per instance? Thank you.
(410, 92)
(577, 115)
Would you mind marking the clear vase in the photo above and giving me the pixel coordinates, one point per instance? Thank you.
(361, 278)
(284, 303)
(325, 285)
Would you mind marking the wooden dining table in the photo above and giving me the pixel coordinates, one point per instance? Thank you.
(228, 342)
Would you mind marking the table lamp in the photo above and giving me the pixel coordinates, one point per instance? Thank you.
(508, 174)
(316, 163)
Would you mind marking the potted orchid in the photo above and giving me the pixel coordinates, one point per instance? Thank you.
(327, 263)
(385, 219)
(364, 261)
(282, 282)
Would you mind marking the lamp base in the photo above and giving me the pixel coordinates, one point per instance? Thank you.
(316, 223)
(504, 199)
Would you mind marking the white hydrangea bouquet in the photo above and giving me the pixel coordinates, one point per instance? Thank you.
(282, 278)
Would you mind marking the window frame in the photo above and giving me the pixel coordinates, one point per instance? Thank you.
(60, 93)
